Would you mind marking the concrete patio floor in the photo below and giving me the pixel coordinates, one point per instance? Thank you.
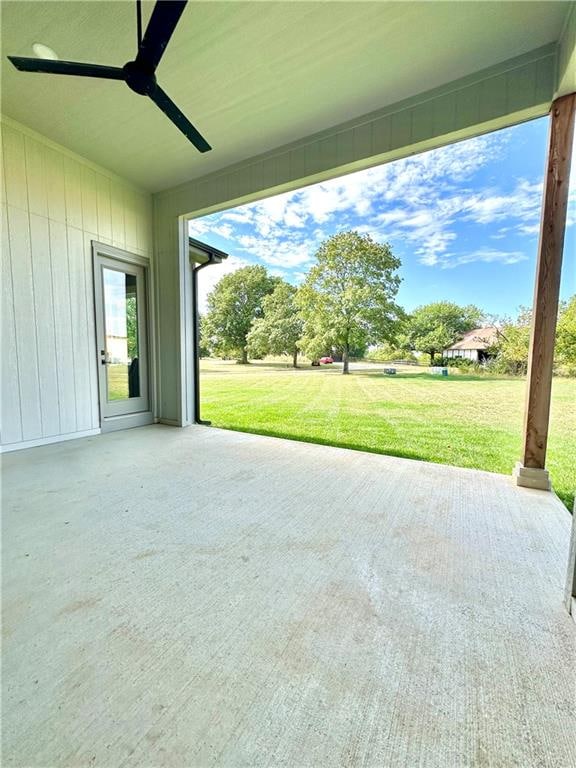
(199, 597)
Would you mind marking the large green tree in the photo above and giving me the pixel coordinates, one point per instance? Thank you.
(566, 334)
(511, 349)
(132, 327)
(513, 343)
(434, 327)
(348, 297)
(279, 330)
(233, 305)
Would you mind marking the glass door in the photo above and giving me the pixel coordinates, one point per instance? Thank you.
(121, 325)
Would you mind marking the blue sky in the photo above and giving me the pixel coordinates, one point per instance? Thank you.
(463, 219)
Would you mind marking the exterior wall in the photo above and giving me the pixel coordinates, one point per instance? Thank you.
(469, 354)
(54, 203)
(515, 90)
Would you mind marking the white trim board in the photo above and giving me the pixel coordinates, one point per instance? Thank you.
(9, 447)
(128, 257)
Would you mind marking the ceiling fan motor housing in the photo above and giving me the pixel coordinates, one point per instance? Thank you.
(139, 80)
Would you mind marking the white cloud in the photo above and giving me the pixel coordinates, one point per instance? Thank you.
(430, 225)
(197, 227)
(523, 204)
(286, 253)
(223, 230)
(490, 255)
(425, 198)
(486, 255)
(283, 222)
(238, 214)
(531, 229)
(203, 228)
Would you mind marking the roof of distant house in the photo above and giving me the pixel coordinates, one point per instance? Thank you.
(479, 338)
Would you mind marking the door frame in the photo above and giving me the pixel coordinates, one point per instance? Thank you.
(140, 418)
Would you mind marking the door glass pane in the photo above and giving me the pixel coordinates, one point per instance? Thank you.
(121, 322)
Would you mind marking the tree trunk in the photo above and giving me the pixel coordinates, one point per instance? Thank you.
(295, 358)
(432, 358)
(244, 359)
(345, 356)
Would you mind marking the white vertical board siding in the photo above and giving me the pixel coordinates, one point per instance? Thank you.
(63, 322)
(25, 322)
(80, 340)
(12, 419)
(104, 209)
(45, 326)
(54, 204)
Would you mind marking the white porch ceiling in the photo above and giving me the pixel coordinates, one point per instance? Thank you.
(251, 76)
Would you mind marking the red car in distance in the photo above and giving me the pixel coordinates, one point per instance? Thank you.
(326, 360)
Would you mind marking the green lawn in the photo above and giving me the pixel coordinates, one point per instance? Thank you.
(467, 421)
(117, 381)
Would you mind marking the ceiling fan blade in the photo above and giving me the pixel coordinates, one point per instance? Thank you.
(54, 67)
(161, 99)
(161, 26)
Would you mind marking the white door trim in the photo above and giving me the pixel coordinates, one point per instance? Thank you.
(100, 252)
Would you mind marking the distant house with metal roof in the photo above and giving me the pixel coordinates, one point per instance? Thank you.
(475, 345)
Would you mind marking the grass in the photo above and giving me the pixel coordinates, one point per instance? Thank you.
(463, 420)
(117, 381)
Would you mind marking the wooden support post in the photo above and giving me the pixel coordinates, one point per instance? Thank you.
(531, 470)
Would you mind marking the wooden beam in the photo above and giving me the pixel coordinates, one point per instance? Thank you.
(547, 286)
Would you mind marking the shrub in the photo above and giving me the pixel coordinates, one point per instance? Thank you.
(454, 362)
(385, 352)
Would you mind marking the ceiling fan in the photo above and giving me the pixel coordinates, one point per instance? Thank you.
(139, 75)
